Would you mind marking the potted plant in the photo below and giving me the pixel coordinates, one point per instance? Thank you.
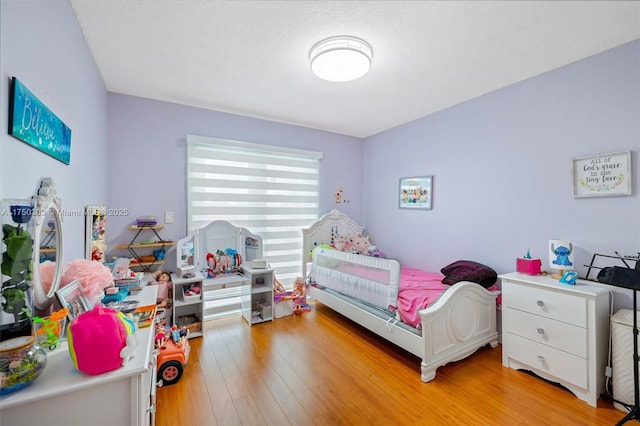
(17, 268)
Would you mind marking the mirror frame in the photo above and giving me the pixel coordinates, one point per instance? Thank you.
(44, 202)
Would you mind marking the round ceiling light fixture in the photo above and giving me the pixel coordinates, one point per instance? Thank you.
(341, 58)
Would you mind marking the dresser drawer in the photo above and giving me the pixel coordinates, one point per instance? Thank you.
(551, 304)
(566, 337)
(220, 284)
(548, 360)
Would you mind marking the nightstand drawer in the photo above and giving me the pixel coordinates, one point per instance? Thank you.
(560, 335)
(551, 304)
(544, 359)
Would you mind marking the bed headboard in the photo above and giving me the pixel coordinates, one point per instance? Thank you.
(324, 231)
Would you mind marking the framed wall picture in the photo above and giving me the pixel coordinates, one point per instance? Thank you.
(416, 193)
(33, 123)
(71, 296)
(601, 174)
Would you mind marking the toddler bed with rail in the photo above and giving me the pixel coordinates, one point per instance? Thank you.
(412, 309)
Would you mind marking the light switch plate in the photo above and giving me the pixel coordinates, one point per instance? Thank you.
(168, 217)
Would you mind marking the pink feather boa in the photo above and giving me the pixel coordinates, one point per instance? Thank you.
(93, 276)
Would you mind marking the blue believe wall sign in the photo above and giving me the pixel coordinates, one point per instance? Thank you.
(32, 122)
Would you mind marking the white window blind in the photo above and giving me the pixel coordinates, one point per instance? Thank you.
(271, 191)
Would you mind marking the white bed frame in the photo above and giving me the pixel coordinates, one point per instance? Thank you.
(460, 322)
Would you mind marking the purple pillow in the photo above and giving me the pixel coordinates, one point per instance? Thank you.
(467, 270)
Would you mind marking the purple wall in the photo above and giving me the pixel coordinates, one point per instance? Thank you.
(501, 162)
(147, 157)
(502, 170)
(41, 44)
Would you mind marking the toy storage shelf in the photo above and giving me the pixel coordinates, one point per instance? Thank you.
(136, 249)
(187, 311)
(257, 295)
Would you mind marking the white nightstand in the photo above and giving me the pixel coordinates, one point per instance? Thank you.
(558, 331)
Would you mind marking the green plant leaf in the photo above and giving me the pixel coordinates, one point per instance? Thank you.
(14, 300)
(17, 270)
(19, 247)
(8, 231)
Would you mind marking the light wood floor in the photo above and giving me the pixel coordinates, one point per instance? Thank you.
(322, 369)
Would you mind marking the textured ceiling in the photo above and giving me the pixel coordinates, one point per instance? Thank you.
(251, 57)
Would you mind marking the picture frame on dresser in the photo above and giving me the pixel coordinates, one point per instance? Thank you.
(601, 175)
(72, 296)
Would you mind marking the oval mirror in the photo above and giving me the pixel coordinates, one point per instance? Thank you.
(48, 247)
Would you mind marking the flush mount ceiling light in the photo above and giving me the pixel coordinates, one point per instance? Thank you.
(341, 58)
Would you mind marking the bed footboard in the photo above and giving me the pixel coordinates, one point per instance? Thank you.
(459, 323)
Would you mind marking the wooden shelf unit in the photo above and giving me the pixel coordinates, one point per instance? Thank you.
(134, 247)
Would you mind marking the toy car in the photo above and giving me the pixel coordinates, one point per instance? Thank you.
(171, 361)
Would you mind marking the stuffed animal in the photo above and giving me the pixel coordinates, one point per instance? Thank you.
(339, 242)
(101, 340)
(374, 251)
(360, 243)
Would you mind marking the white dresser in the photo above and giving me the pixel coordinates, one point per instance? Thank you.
(64, 396)
(558, 331)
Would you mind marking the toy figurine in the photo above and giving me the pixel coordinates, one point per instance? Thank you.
(161, 337)
(300, 296)
(184, 332)
(175, 334)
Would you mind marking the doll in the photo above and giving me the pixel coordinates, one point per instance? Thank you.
(299, 296)
(163, 281)
(161, 337)
(184, 332)
(175, 335)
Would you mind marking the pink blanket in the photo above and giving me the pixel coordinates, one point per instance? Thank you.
(418, 290)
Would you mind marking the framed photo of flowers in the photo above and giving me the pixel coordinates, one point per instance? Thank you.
(71, 296)
(602, 174)
(416, 193)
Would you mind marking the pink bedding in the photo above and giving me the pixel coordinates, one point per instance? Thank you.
(417, 290)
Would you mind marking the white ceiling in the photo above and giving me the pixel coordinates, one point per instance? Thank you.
(251, 57)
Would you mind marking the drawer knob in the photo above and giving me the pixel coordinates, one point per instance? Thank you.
(540, 303)
(540, 331)
(540, 358)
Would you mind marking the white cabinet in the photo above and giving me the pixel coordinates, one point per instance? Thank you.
(187, 310)
(222, 296)
(257, 295)
(216, 253)
(62, 395)
(218, 294)
(558, 331)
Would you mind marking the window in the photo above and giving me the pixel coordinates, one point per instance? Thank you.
(271, 191)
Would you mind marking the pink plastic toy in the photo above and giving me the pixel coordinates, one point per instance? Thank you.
(101, 340)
